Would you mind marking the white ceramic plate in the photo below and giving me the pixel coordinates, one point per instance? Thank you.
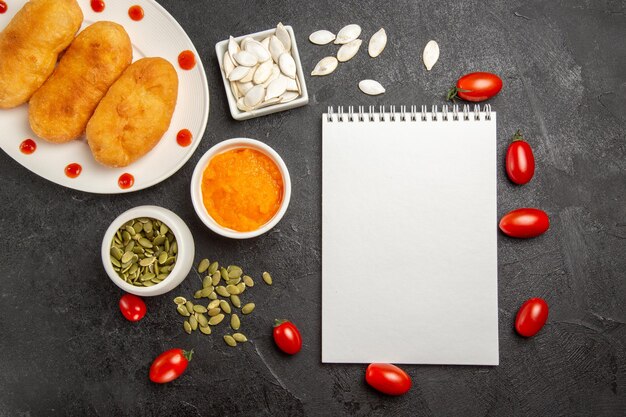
(157, 34)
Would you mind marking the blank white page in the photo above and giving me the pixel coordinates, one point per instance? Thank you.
(409, 251)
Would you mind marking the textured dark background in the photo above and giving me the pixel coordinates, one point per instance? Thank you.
(66, 350)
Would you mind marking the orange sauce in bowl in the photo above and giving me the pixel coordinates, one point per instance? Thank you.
(242, 189)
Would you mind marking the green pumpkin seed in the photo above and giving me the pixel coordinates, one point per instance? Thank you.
(224, 273)
(193, 322)
(241, 287)
(267, 278)
(138, 227)
(202, 320)
(197, 294)
(187, 327)
(145, 242)
(116, 263)
(148, 226)
(214, 311)
(230, 341)
(164, 229)
(203, 265)
(248, 281)
(213, 267)
(136, 249)
(235, 323)
(116, 253)
(207, 282)
(159, 240)
(199, 309)
(205, 329)
(240, 337)
(248, 308)
(215, 279)
(214, 304)
(133, 268)
(174, 248)
(147, 283)
(225, 306)
(182, 310)
(130, 230)
(147, 277)
(216, 319)
(221, 290)
(180, 300)
(232, 290)
(162, 257)
(126, 257)
(234, 271)
(147, 261)
(162, 276)
(234, 299)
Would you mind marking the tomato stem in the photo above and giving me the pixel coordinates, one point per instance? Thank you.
(278, 322)
(453, 93)
(188, 354)
(518, 136)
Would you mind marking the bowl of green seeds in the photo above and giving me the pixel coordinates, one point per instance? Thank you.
(147, 251)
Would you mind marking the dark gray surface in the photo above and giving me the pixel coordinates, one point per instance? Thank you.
(66, 350)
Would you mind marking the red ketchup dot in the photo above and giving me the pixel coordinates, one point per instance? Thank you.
(126, 181)
(184, 137)
(3, 7)
(136, 13)
(187, 60)
(28, 146)
(97, 5)
(73, 170)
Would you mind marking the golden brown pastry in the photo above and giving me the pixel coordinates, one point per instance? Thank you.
(30, 45)
(134, 114)
(60, 109)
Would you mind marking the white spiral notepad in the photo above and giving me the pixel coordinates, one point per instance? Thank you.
(409, 228)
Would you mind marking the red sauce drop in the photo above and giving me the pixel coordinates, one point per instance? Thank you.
(97, 5)
(126, 181)
(187, 60)
(3, 7)
(73, 170)
(28, 146)
(136, 13)
(184, 137)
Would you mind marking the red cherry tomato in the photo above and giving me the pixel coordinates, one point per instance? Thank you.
(476, 86)
(169, 365)
(287, 337)
(531, 317)
(525, 223)
(520, 161)
(132, 307)
(387, 378)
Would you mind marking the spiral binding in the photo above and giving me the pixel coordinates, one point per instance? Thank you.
(413, 115)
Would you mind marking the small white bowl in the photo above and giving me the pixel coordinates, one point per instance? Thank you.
(222, 47)
(184, 239)
(196, 186)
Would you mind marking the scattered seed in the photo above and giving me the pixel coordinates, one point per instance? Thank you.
(213, 296)
(216, 319)
(193, 322)
(235, 323)
(214, 311)
(225, 306)
(248, 308)
(207, 281)
(267, 278)
(241, 287)
(224, 273)
(248, 281)
(182, 310)
(215, 279)
(197, 294)
(240, 337)
(232, 290)
(203, 265)
(213, 267)
(234, 271)
(230, 341)
(234, 299)
(189, 306)
(214, 304)
(187, 327)
(221, 290)
(205, 329)
(199, 309)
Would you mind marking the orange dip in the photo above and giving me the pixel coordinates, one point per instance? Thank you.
(242, 189)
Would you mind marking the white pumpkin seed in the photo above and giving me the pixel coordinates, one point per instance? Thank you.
(276, 48)
(233, 47)
(244, 43)
(255, 48)
(263, 72)
(241, 105)
(266, 43)
(250, 75)
(371, 87)
(243, 90)
(235, 90)
(287, 65)
(348, 34)
(283, 36)
(377, 44)
(292, 84)
(321, 37)
(276, 87)
(430, 55)
(348, 50)
(245, 58)
(238, 73)
(228, 64)
(275, 74)
(254, 96)
(325, 66)
(285, 98)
